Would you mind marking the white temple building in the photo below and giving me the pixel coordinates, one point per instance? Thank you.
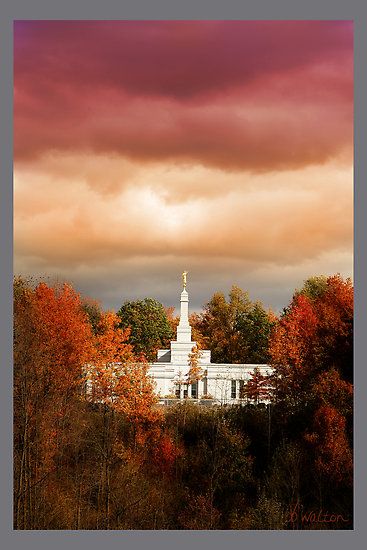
(220, 382)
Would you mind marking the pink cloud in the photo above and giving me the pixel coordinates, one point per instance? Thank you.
(172, 58)
(236, 95)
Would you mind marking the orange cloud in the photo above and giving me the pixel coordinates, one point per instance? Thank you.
(279, 219)
(145, 148)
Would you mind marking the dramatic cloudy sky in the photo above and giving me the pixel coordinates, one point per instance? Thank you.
(145, 148)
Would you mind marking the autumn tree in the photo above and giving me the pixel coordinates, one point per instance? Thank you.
(172, 318)
(255, 327)
(335, 312)
(257, 387)
(327, 438)
(195, 372)
(313, 287)
(293, 348)
(149, 325)
(93, 310)
(199, 513)
(57, 351)
(329, 389)
(312, 356)
(237, 330)
(111, 458)
(196, 323)
(52, 342)
(219, 324)
(314, 335)
(216, 461)
(121, 387)
(119, 378)
(119, 383)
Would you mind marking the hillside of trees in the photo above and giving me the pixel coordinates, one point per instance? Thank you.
(112, 458)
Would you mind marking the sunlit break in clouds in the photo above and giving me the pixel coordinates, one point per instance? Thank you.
(143, 148)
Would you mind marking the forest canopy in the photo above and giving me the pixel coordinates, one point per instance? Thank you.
(113, 458)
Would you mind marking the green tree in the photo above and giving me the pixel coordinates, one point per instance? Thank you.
(94, 312)
(255, 327)
(237, 330)
(149, 324)
(219, 324)
(313, 287)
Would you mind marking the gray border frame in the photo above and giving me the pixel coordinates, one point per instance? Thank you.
(166, 9)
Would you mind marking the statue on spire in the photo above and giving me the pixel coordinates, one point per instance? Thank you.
(184, 280)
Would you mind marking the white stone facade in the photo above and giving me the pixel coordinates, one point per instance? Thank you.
(222, 382)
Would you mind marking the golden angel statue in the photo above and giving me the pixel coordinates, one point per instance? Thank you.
(184, 280)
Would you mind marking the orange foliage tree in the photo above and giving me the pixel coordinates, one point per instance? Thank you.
(118, 377)
(314, 335)
(312, 355)
(333, 456)
(52, 341)
(195, 372)
(172, 318)
(57, 353)
(120, 382)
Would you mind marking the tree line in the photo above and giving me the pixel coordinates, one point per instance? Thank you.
(109, 457)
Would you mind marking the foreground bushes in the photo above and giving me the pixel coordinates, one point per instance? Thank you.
(217, 478)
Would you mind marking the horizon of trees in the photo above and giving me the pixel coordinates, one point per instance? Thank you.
(112, 458)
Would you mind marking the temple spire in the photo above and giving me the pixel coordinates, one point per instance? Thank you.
(184, 329)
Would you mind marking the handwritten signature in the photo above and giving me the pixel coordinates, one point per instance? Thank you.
(297, 514)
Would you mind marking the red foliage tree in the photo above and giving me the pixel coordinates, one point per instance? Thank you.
(335, 333)
(333, 457)
(330, 389)
(293, 348)
(257, 387)
(314, 335)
